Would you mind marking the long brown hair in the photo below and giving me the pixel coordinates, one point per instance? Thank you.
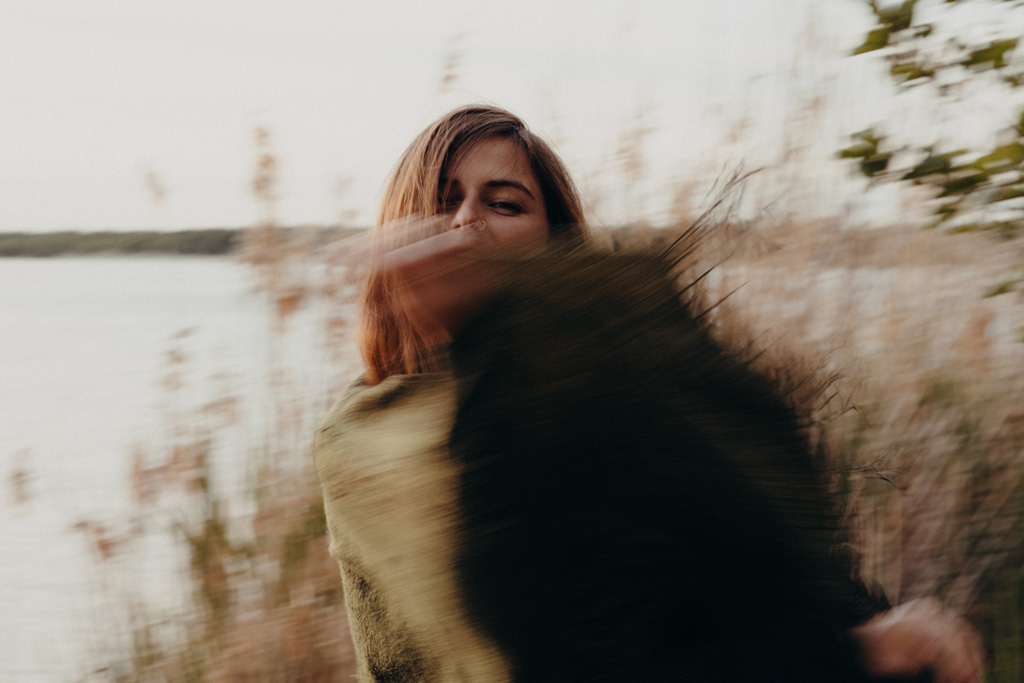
(389, 341)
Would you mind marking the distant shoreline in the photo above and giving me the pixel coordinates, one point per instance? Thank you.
(210, 242)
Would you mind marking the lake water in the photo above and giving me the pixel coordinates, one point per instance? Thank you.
(84, 364)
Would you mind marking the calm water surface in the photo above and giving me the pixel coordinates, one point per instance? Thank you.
(84, 348)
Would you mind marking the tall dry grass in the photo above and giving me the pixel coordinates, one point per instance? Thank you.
(927, 419)
(260, 598)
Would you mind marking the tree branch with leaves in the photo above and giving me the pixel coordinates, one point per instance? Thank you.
(972, 189)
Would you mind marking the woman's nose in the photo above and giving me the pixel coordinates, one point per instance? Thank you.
(467, 213)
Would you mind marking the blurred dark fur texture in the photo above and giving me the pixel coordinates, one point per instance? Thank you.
(639, 504)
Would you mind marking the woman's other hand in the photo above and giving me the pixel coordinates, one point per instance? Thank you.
(917, 637)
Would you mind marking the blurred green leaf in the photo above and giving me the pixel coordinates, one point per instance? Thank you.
(1003, 287)
(1009, 192)
(1007, 229)
(897, 18)
(876, 164)
(865, 148)
(933, 164)
(861, 150)
(946, 211)
(876, 40)
(991, 57)
(1001, 159)
(962, 182)
(1014, 80)
(904, 72)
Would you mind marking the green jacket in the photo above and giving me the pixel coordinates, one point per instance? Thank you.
(390, 496)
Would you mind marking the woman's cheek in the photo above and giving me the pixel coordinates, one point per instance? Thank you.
(524, 233)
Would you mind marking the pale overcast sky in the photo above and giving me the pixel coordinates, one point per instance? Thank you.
(96, 95)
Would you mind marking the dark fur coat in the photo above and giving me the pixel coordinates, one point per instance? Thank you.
(636, 503)
(597, 491)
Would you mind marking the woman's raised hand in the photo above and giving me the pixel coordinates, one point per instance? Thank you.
(440, 274)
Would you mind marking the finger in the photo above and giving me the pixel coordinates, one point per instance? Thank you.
(409, 230)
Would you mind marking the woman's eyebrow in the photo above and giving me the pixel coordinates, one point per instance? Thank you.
(510, 183)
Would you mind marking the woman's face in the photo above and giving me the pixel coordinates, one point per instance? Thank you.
(493, 182)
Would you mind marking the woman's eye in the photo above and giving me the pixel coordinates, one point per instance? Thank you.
(507, 207)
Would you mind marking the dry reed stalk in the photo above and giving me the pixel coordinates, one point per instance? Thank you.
(20, 477)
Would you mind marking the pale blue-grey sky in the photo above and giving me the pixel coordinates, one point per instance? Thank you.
(97, 97)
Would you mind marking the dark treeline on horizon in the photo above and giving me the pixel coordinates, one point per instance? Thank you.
(212, 241)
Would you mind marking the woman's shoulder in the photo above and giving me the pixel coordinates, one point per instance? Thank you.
(372, 415)
(362, 401)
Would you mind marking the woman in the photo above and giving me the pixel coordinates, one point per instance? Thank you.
(551, 472)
